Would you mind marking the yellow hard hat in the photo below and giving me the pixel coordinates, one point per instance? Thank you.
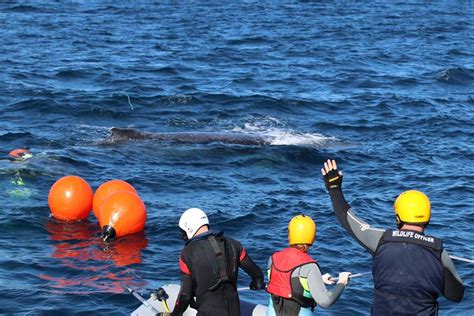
(301, 230)
(412, 207)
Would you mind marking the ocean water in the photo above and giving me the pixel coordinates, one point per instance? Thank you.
(387, 89)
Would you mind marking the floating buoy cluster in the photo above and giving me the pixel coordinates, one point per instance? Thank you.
(116, 205)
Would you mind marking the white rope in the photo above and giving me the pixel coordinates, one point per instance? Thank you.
(243, 288)
(356, 275)
(359, 274)
(461, 259)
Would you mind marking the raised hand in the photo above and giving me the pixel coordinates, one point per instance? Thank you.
(332, 176)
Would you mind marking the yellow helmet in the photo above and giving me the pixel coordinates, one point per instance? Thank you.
(412, 207)
(301, 230)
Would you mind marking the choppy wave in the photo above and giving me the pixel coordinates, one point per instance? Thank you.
(25, 9)
(457, 76)
(73, 74)
(286, 137)
(385, 89)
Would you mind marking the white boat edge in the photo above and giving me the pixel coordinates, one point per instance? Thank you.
(247, 308)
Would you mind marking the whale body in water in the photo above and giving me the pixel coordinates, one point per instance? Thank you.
(122, 135)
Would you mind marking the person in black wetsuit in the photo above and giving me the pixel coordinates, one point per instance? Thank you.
(209, 266)
(410, 269)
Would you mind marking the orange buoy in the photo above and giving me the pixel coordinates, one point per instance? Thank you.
(106, 189)
(122, 213)
(70, 198)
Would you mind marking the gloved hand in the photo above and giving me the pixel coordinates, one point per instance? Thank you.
(257, 284)
(160, 295)
(344, 278)
(163, 314)
(332, 176)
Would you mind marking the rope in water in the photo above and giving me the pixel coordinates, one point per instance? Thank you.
(129, 102)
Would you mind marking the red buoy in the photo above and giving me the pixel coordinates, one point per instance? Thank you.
(70, 198)
(106, 189)
(122, 213)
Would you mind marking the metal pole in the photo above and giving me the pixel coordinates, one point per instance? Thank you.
(141, 299)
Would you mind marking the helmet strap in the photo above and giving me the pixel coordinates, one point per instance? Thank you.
(184, 236)
(399, 221)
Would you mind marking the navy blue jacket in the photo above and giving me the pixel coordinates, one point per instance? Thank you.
(408, 273)
(410, 269)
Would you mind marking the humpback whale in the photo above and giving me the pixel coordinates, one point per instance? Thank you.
(122, 135)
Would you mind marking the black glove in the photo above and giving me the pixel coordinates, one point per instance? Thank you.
(160, 294)
(257, 284)
(333, 179)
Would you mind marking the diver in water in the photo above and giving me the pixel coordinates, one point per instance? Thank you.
(410, 269)
(20, 154)
(209, 266)
(295, 284)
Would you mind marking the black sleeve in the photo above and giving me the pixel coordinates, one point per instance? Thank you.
(251, 268)
(185, 295)
(341, 207)
(453, 288)
(365, 235)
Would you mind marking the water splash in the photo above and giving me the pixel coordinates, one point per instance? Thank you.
(285, 137)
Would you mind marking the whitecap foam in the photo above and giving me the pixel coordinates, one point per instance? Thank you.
(285, 137)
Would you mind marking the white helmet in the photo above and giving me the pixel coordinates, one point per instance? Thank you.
(191, 220)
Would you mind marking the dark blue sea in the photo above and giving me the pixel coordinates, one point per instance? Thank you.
(386, 88)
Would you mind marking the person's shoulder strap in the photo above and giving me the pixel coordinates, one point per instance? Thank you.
(222, 275)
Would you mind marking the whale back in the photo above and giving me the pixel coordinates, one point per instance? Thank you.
(122, 135)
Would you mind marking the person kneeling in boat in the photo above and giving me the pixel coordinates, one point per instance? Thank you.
(295, 284)
(410, 269)
(209, 266)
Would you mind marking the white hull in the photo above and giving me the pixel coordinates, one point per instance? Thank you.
(247, 308)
